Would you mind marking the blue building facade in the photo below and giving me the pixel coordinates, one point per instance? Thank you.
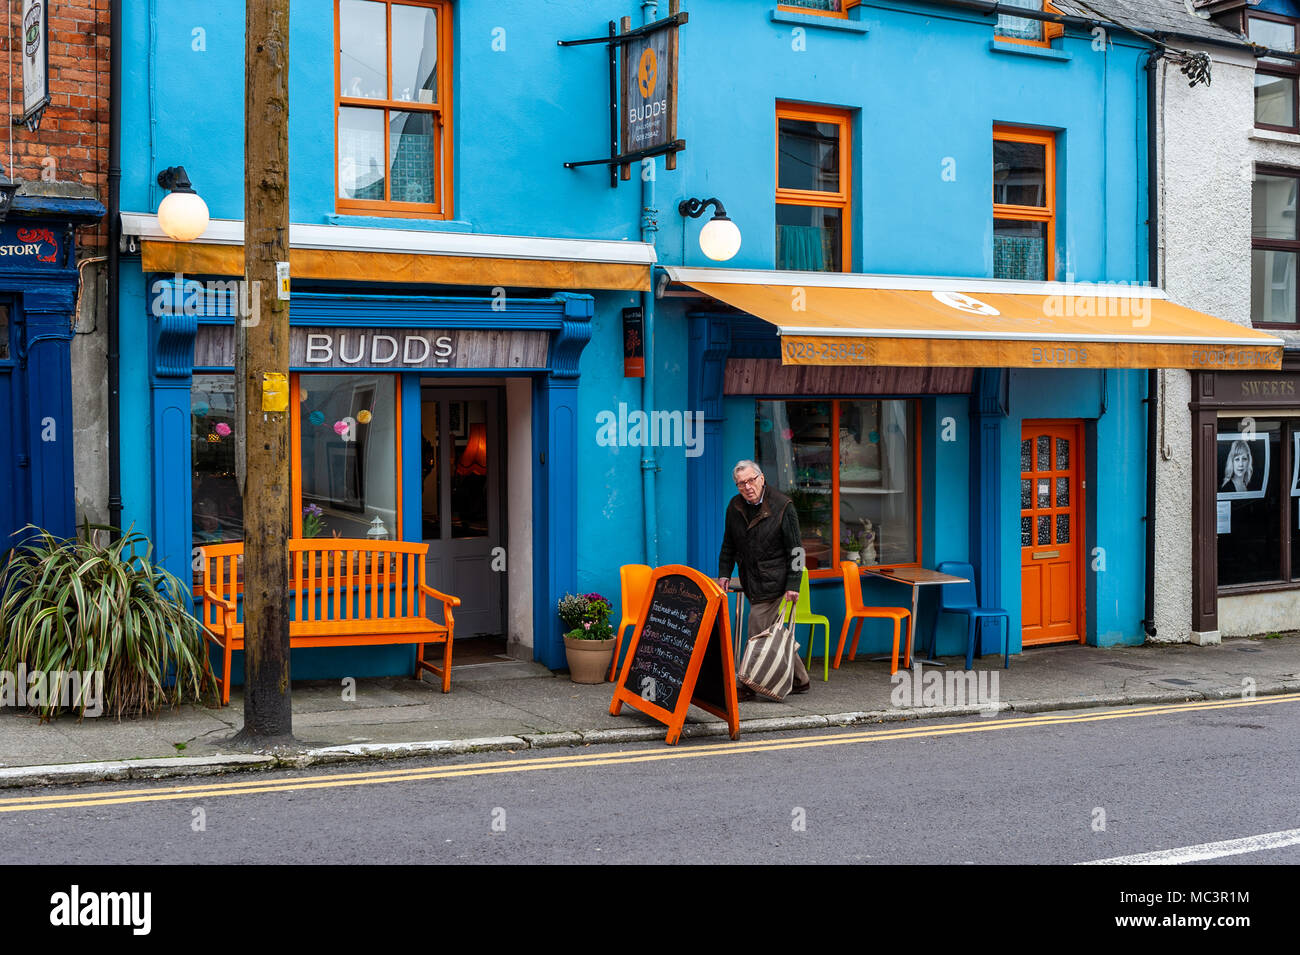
(467, 300)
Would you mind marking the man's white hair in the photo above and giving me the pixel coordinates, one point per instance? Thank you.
(745, 465)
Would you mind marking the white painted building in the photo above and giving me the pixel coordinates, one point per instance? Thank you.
(1226, 445)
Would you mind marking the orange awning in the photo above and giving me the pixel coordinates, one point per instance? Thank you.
(852, 319)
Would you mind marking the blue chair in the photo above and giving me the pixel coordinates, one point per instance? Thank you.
(960, 598)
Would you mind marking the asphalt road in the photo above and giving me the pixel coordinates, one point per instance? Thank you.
(1051, 788)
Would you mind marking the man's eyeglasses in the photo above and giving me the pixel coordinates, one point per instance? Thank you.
(750, 482)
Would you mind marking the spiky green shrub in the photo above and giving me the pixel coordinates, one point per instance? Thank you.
(79, 605)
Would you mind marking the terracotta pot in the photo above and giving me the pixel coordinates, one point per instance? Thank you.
(588, 659)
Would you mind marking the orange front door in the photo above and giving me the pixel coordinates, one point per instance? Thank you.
(1051, 532)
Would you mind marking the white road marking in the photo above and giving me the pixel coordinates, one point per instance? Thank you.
(1207, 850)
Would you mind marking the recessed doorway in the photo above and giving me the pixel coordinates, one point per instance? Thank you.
(462, 506)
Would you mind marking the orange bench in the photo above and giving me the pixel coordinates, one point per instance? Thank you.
(342, 593)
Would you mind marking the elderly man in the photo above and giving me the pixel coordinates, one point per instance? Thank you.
(761, 534)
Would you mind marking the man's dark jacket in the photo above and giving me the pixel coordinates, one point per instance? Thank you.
(762, 539)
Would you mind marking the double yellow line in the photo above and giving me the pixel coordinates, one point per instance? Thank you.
(582, 760)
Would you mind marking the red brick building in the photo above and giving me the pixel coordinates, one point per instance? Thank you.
(52, 301)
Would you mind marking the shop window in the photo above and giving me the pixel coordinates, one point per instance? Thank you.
(346, 471)
(4, 332)
(1024, 203)
(1275, 79)
(850, 467)
(394, 110)
(812, 189)
(217, 508)
(1275, 244)
(1015, 29)
(1258, 500)
(347, 456)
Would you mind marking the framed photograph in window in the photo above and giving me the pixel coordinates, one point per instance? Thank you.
(456, 419)
(1242, 465)
(1295, 481)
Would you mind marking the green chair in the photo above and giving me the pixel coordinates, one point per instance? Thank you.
(803, 614)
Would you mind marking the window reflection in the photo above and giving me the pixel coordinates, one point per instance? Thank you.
(349, 456)
(216, 505)
(874, 474)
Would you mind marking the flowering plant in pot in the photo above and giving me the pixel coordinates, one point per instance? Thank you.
(589, 638)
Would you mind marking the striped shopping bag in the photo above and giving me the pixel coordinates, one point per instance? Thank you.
(768, 665)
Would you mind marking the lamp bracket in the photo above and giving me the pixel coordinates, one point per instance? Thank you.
(694, 208)
(175, 179)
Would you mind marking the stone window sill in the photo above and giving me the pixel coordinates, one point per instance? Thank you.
(1275, 136)
(851, 24)
(394, 222)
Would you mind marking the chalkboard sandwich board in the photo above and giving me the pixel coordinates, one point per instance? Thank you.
(680, 653)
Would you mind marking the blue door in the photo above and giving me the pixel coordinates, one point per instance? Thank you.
(13, 465)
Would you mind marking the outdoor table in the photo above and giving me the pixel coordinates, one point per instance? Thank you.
(917, 577)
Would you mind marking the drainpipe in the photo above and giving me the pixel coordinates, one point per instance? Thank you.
(1153, 376)
(114, 266)
(649, 226)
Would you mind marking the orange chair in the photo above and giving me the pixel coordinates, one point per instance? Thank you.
(635, 579)
(855, 611)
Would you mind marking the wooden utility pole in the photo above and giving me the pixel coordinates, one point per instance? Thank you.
(262, 365)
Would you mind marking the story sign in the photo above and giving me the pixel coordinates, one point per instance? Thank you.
(391, 348)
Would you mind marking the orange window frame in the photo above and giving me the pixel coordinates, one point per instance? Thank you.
(1045, 213)
(1051, 31)
(841, 13)
(440, 111)
(834, 570)
(295, 450)
(841, 200)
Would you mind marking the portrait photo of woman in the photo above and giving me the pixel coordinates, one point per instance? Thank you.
(1243, 465)
(1239, 469)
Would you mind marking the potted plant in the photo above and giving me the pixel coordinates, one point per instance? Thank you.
(103, 611)
(312, 520)
(853, 545)
(589, 638)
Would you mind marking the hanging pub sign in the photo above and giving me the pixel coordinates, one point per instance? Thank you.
(649, 103)
(680, 654)
(633, 343)
(36, 62)
(642, 93)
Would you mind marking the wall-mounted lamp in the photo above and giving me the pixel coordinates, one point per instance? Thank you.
(720, 238)
(182, 214)
(7, 189)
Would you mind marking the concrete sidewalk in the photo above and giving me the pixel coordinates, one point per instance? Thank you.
(513, 706)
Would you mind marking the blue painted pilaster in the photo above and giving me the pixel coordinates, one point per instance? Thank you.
(710, 342)
(555, 480)
(412, 517)
(171, 374)
(988, 409)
